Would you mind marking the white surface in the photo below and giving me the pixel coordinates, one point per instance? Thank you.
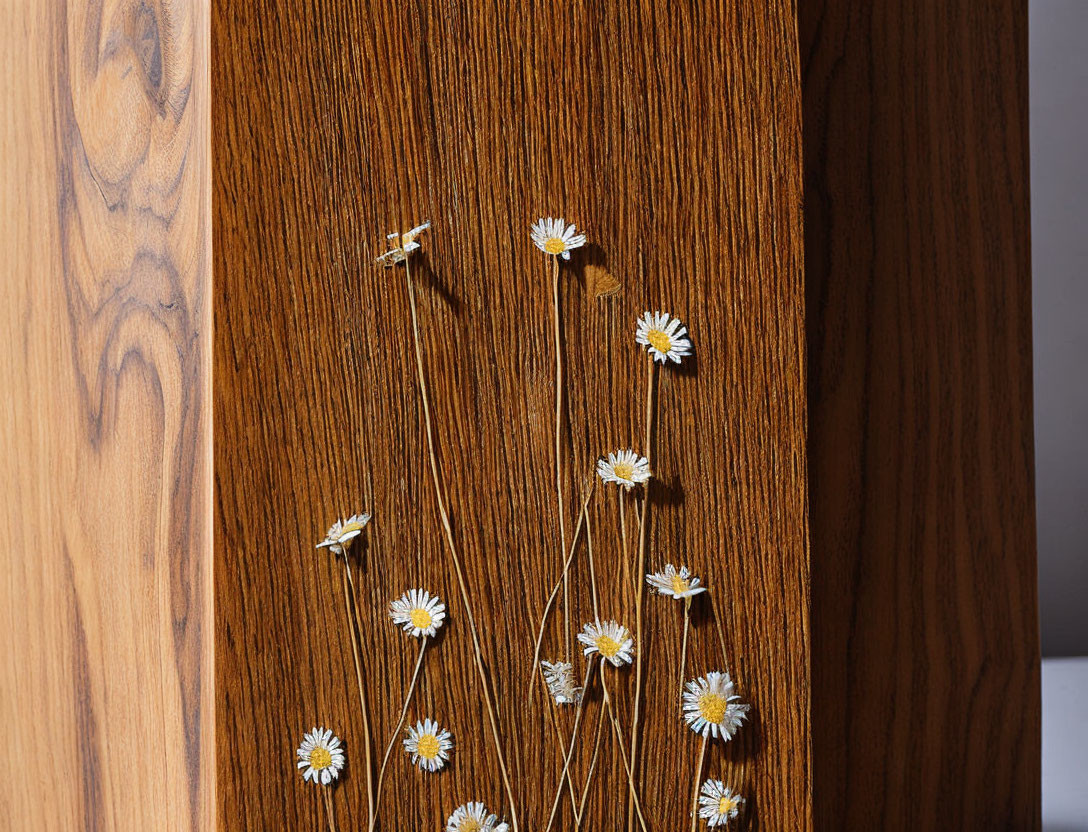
(1065, 745)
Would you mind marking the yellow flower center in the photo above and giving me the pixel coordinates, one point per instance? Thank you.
(320, 758)
(428, 746)
(421, 619)
(659, 340)
(679, 585)
(607, 646)
(348, 528)
(554, 245)
(470, 825)
(726, 805)
(624, 470)
(712, 707)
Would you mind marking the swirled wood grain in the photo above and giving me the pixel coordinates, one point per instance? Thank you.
(672, 136)
(104, 452)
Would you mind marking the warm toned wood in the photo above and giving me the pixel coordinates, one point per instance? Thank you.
(925, 668)
(673, 137)
(105, 474)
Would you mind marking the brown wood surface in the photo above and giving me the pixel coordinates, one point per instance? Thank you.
(925, 669)
(672, 136)
(105, 467)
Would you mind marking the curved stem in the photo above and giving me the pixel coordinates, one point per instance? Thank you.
(640, 591)
(620, 742)
(695, 790)
(592, 769)
(454, 553)
(558, 452)
(563, 753)
(684, 650)
(573, 745)
(396, 731)
(353, 618)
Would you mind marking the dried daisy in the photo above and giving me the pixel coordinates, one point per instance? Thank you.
(712, 708)
(428, 744)
(624, 468)
(610, 639)
(555, 237)
(678, 584)
(342, 532)
(321, 756)
(473, 817)
(718, 804)
(559, 677)
(403, 245)
(663, 335)
(418, 613)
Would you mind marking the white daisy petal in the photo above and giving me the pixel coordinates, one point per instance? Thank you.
(611, 640)
(321, 756)
(556, 237)
(562, 685)
(403, 245)
(428, 744)
(663, 336)
(624, 468)
(712, 707)
(679, 584)
(473, 817)
(718, 804)
(342, 532)
(418, 612)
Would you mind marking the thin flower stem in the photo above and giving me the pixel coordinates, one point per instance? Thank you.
(353, 620)
(592, 768)
(329, 815)
(563, 753)
(684, 650)
(558, 452)
(621, 742)
(625, 564)
(570, 753)
(396, 731)
(551, 600)
(651, 378)
(454, 554)
(721, 635)
(695, 790)
(592, 569)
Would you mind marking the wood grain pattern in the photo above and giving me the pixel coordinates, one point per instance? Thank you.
(674, 140)
(105, 475)
(925, 711)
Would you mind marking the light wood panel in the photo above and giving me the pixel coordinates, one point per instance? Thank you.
(925, 711)
(105, 436)
(673, 138)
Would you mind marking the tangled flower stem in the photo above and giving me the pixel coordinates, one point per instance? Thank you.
(563, 754)
(558, 451)
(651, 378)
(684, 651)
(454, 553)
(352, 612)
(396, 731)
(570, 753)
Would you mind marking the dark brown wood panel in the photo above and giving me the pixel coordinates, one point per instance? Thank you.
(672, 136)
(925, 671)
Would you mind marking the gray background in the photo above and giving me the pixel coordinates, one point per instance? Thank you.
(1059, 228)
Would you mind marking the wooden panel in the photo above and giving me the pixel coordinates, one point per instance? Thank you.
(925, 710)
(104, 442)
(673, 139)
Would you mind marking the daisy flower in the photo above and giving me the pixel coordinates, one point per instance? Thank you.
(718, 804)
(611, 640)
(473, 817)
(342, 532)
(711, 707)
(561, 682)
(679, 584)
(555, 237)
(403, 245)
(321, 755)
(428, 744)
(663, 336)
(624, 468)
(418, 612)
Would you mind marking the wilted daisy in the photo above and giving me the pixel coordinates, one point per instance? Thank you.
(418, 612)
(473, 817)
(321, 755)
(679, 584)
(561, 683)
(342, 532)
(711, 707)
(624, 468)
(428, 744)
(554, 236)
(718, 804)
(610, 639)
(663, 336)
(403, 245)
